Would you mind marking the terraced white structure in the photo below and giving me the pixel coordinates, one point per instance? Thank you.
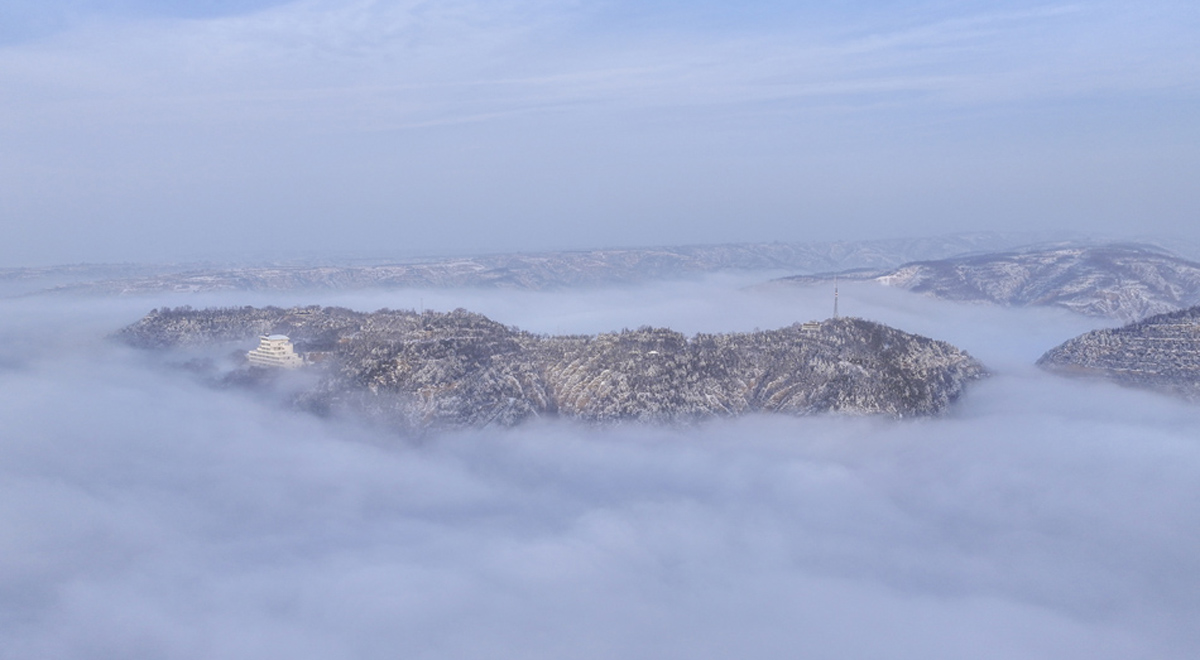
(275, 351)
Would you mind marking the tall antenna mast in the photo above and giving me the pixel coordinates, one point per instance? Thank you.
(835, 297)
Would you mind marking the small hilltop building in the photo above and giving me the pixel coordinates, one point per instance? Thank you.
(275, 351)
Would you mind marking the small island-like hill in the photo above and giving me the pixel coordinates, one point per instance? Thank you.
(1161, 353)
(460, 369)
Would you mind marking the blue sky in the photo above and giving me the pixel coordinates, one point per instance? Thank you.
(160, 131)
(23, 20)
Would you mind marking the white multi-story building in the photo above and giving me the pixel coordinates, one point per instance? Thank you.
(275, 351)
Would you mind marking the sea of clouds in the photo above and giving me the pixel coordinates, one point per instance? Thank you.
(144, 515)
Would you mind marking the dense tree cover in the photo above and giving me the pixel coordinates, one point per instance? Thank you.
(1121, 281)
(1161, 352)
(431, 369)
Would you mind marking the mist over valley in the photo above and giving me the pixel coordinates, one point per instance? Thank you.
(1056, 508)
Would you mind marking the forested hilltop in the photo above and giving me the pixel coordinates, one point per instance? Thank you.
(461, 369)
(1122, 281)
(1161, 353)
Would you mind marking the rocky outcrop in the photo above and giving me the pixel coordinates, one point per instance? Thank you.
(460, 369)
(1161, 353)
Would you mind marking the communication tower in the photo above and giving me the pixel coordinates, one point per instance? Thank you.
(835, 297)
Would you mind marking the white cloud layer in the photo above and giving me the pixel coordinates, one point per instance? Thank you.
(143, 515)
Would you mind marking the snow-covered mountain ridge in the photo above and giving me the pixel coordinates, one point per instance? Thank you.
(1121, 281)
(541, 270)
(459, 369)
(1161, 353)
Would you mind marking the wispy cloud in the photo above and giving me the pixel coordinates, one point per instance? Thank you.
(517, 94)
(411, 59)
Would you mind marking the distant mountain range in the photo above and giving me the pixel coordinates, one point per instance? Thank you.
(1121, 281)
(1124, 281)
(445, 370)
(543, 270)
(1160, 353)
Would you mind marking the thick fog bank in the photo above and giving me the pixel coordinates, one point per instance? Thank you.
(143, 515)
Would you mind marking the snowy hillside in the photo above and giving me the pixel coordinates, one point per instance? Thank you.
(460, 369)
(1161, 353)
(1121, 281)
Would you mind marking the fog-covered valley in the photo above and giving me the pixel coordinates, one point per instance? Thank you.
(147, 515)
(523, 479)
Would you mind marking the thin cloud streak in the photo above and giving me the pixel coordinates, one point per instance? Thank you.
(235, 56)
(471, 126)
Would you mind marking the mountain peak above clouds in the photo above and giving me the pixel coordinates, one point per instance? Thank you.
(459, 369)
(1160, 353)
(1125, 281)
